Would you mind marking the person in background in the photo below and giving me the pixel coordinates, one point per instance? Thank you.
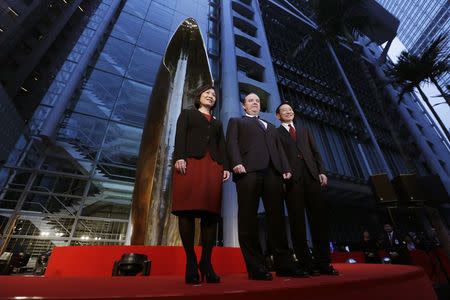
(370, 248)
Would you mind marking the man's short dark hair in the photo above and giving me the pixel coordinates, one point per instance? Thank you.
(243, 98)
(277, 111)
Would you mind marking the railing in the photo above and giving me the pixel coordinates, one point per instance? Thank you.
(47, 193)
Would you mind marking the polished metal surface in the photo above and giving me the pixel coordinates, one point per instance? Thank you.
(184, 68)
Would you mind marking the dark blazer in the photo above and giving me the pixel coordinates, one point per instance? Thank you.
(249, 144)
(304, 146)
(394, 245)
(195, 136)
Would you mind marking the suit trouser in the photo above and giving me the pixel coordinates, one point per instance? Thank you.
(306, 193)
(268, 185)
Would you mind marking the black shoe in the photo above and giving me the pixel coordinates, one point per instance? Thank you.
(191, 276)
(292, 272)
(206, 271)
(328, 270)
(261, 275)
(309, 268)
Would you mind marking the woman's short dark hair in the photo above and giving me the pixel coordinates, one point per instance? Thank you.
(200, 91)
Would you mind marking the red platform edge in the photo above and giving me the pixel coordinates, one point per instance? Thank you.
(84, 272)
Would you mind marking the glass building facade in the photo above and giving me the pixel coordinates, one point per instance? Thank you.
(76, 188)
(420, 23)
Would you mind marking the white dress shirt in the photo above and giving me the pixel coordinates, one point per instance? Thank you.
(262, 121)
(286, 125)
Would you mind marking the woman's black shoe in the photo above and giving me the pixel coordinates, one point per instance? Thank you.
(207, 272)
(191, 275)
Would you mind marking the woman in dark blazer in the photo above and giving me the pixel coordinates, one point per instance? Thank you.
(200, 168)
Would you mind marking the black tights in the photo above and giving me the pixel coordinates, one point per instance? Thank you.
(208, 225)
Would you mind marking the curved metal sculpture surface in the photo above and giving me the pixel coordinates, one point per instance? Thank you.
(184, 68)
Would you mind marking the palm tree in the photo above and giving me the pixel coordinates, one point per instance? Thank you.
(437, 63)
(412, 70)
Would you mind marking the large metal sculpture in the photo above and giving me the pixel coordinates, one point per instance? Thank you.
(184, 68)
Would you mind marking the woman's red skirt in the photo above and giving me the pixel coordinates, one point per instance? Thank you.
(200, 189)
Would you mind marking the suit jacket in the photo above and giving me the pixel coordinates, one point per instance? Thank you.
(195, 136)
(249, 144)
(392, 245)
(304, 146)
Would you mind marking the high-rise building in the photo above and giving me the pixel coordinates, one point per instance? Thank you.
(420, 23)
(70, 177)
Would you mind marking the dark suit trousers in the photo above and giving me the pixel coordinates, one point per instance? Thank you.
(268, 185)
(301, 194)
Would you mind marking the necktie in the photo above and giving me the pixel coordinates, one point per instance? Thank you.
(260, 123)
(292, 132)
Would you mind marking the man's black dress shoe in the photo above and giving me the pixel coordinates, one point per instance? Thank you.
(292, 272)
(260, 276)
(328, 270)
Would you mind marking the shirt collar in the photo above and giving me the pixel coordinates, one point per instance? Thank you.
(250, 116)
(286, 125)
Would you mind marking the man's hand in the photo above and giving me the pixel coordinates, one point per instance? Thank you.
(239, 169)
(287, 175)
(180, 166)
(323, 180)
(226, 175)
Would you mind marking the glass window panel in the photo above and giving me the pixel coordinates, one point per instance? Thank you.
(116, 191)
(10, 198)
(85, 133)
(115, 172)
(188, 8)
(178, 18)
(51, 204)
(160, 15)
(131, 106)
(115, 56)
(122, 144)
(127, 27)
(144, 72)
(153, 38)
(65, 161)
(48, 226)
(107, 208)
(137, 7)
(33, 246)
(169, 3)
(59, 184)
(95, 230)
(98, 94)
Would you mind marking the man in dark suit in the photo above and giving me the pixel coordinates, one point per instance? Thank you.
(259, 166)
(393, 244)
(303, 190)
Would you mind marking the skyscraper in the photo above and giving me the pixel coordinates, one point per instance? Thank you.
(69, 179)
(420, 23)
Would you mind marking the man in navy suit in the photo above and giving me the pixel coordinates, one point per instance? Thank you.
(259, 167)
(303, 190)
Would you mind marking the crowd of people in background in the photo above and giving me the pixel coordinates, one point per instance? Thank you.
(396, 246)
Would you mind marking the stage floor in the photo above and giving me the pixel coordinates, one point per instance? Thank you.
(357, 281)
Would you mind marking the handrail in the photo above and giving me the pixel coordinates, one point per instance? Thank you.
(44, 209)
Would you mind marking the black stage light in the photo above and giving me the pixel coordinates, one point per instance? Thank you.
(131, 264)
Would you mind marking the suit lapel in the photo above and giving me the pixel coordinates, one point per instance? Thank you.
(300, 143)
(286, 134)
(255, 122)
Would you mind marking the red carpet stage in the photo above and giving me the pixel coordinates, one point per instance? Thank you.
(85, 273)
